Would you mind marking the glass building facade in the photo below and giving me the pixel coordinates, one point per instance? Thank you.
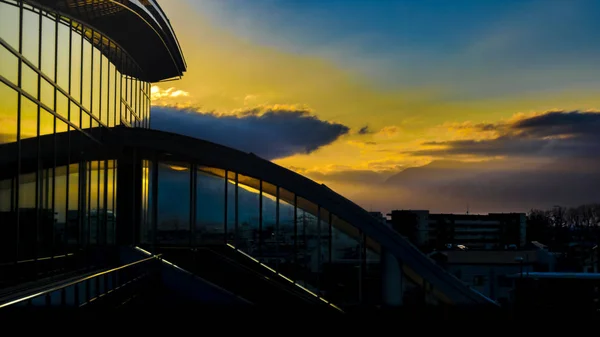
(58, 74)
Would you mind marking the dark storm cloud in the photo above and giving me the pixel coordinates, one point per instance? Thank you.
(552, 134)
(269, 133)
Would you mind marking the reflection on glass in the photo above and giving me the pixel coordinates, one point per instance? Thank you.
(8, 114)
(73, 219)
(75, 66)
(29, 114)
(64, 53)
(173, 208)
(29, 80)
(60, 208)
(62, 106)
(8, 225)
(6, 194)
(287, 236)
(9, 25)
(86, 73)
(145, 223)
(325, 246)
(27, 216)
(91, 200)
(344, 273)
(31, 22)
(9, 65)
(47, 93)
(95, 80)
(46, 213)
(268, 237)
(248, 214)
(111, 215)
(101, 213)
(105, 89)
(210, 206)
(48, 42)
(232, 220)
(372, 272)
(46, 122)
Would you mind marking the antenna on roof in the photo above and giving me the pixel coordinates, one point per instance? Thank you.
(467, 208)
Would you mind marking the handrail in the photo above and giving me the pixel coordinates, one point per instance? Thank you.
(45, 258)
(51, 290)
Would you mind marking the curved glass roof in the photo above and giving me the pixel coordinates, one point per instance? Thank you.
(140, 27)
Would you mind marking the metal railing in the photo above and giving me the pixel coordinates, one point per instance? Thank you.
(88, 289)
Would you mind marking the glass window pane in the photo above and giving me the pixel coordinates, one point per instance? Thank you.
(118, 99)
(308, 252)
(9, 24)
(343, 274)
(46, 122)
(146, 216)
(95, 78)
(105, 90)
(8, 223)
(248, 214)
(9, 65)
(48, 43)
(267, 250)
(85, 120)
(110, 204)
(31, 23)
(173, 218)
(231, 206)
(372, 273)
(61, 126)
(210, 206)
(62, 105)
(29, 80)
(27, 216)
(60, 207)
(73, 206)
(75, 114)
(91, 221)
(75, 67)
(8, 114)
(86, 67)
(62, 64)
(47, 93)
(325, 254)
(46, 213)
(29, 118)
(286, 238)
(6, 194)
(111, 94)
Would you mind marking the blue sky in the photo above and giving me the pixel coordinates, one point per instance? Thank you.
(430, 42)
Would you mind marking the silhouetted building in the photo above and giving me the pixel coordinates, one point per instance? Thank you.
(442, 231)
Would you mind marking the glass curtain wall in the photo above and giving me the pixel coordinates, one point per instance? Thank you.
(59, 75)
(288, 233)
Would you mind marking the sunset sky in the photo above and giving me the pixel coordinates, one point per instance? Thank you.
(425, 104)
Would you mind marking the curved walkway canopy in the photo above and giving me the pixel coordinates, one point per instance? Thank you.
(170, 147)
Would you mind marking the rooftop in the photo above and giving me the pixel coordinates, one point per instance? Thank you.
(140, 27)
